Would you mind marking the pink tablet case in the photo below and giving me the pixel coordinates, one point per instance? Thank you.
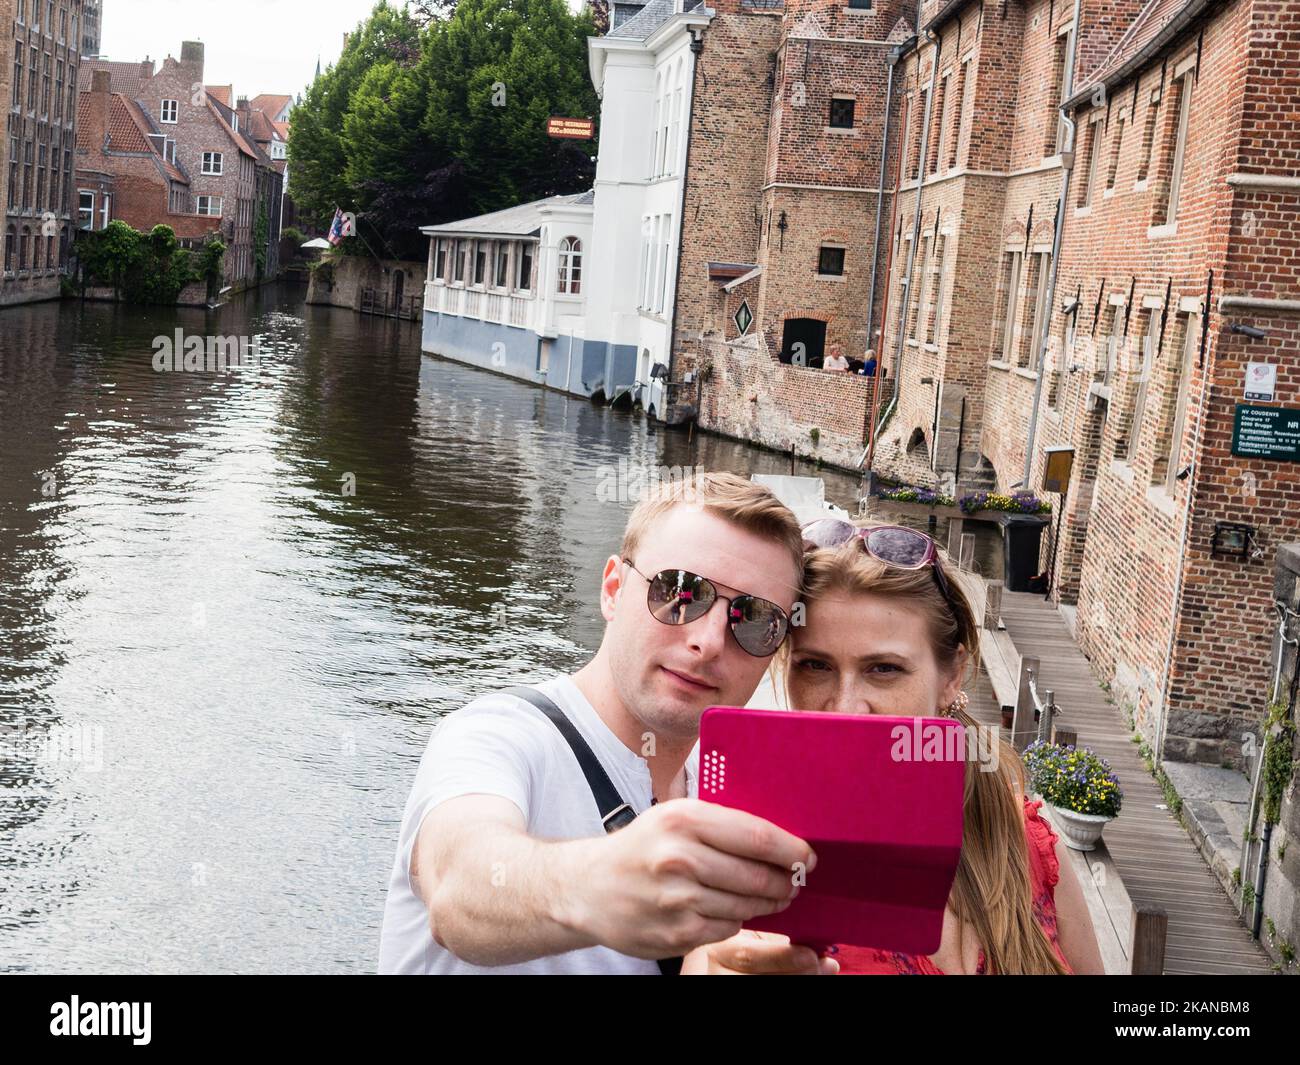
(882, 812)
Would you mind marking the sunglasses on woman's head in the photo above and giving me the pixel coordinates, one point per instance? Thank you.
(894, 545)
(678, 597)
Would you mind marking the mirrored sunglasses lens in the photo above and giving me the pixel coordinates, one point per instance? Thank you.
(827, 532)
(899, 547)
(760, 626)
(677, 596)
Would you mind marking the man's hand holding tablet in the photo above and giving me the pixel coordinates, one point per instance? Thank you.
(684, 872)
(879, 799)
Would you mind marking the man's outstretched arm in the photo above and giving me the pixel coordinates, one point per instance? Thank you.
(682, 874)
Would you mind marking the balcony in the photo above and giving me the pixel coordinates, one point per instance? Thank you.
(485, 305)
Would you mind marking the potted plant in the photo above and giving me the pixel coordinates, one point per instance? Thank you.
(1080, 787)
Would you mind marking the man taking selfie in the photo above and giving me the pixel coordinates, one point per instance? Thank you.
(539, 836)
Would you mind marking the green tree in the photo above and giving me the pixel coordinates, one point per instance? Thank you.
(497, 70)
(317, 145)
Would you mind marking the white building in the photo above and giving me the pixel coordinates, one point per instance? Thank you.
(594, 314)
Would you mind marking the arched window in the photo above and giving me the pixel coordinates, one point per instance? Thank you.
(11, 235)
(654, 134)
(570, 266)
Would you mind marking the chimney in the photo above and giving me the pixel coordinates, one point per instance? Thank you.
(146, 69)
(192, 53)
(99, 100)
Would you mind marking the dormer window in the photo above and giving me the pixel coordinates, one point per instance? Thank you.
(168, 111)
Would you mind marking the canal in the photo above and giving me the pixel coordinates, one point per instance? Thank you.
(233, 605)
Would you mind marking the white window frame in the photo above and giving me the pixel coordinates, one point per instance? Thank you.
(213, 164)
(936, 297)
(1013, 304)
(83, 211)
(1146, 360)
(174, 110)
(209, 213)
(941, 149)
(834, 246)
(1041, 309)
(570, 266)
(1180, 145)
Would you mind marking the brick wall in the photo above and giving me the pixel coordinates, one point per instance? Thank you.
(199, 130)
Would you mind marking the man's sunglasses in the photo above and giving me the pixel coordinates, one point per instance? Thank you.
(678, 597)
(893, 545)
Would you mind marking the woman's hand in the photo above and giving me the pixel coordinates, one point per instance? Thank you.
(750, 953)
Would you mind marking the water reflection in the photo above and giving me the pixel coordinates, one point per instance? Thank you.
(232, 606)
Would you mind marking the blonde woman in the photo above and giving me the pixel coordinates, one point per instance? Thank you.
(887, 632)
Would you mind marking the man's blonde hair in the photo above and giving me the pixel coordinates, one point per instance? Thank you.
(746, 504)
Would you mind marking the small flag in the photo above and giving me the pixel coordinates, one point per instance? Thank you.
(344, 225)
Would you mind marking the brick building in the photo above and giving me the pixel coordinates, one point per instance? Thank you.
(90, 27)
(789, 171)
(1087, 231)
(125, 168)
(39, 57)
(215, 171)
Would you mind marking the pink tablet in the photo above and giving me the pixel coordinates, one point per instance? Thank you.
(880, 800)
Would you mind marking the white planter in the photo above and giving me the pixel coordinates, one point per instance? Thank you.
(1080, 831)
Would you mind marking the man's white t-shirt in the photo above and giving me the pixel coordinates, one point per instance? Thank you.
(501, 745)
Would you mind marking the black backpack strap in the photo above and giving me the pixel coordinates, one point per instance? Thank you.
(614, 812)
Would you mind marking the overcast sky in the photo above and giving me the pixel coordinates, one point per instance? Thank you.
(259, 46)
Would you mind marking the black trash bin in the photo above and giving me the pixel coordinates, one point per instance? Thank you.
(1022, 536)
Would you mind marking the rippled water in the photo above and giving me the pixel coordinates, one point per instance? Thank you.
(218, 670)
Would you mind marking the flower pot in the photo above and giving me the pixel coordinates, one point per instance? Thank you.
(1080, 831)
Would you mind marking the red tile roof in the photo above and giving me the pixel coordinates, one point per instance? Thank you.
(126, 77)
(260, 128)
(224, 93)
(128, 131)
(282, 128)
(240, 142)
(271, 103)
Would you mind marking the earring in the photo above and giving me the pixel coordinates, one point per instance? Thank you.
(957, 706)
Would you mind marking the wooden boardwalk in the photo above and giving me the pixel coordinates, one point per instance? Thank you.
(1156, 858)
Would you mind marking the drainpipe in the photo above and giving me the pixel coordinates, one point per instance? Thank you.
(916, 224)
(697, 47)
(894, 55)
(1062, 205)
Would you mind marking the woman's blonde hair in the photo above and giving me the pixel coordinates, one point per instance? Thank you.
(993, 891)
